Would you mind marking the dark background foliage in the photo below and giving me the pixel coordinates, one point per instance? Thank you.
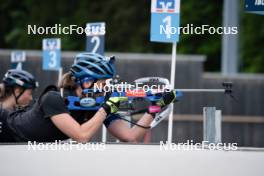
(128, 28)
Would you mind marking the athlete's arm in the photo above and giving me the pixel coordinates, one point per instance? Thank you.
(79, 133)
(53, 107)
(121, 130)
(84, 132)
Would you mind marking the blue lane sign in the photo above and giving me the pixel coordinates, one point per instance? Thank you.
(255, 6)
(165, 21)
(17, 58)
(95, 33)
(51, 54)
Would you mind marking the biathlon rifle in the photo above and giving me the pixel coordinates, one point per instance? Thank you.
(93, 98)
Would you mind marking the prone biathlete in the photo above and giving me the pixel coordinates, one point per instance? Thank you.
(49, 119)
(15, 92)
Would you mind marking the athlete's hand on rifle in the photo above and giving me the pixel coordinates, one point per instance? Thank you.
(112, 104)
(167, 98)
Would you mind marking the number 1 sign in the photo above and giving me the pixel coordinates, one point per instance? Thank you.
(51, 54)
(165, 17)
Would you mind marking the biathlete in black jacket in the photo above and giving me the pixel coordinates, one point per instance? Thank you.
(15, 92)
(49, 119)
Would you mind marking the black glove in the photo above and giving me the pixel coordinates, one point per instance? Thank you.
(167, 98)
(112, 104)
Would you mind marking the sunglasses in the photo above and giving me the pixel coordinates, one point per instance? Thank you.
(85, 81)
(88, 79)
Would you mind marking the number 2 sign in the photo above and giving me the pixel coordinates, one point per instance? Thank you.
(51, 54)
(95, 33)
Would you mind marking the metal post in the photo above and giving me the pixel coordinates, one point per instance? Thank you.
(218, 126)
(211, 125)
(172, 80)
(230, 41)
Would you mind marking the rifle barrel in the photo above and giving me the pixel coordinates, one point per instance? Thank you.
(202, 90)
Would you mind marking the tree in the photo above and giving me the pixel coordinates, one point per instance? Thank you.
(128, 26)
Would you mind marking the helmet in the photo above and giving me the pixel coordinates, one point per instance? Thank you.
(20, 78)
(93, 65)
(90, 56)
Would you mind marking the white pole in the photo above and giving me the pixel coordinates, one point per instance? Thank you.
(19, 66)
(60, 71)
(172, 80)
(60, 74)
(104, 133)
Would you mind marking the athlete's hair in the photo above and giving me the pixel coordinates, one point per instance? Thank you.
(5, 91)
(67, 82)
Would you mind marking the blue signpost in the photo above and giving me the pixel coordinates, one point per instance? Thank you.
(165, 20)
(51, 54)
(95, 33)
(256, 6)
(17, 58)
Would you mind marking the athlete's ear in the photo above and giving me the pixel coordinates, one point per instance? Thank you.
(17, 91)
(78, 91)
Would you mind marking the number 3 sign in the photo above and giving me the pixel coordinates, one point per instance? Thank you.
(51, 54)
